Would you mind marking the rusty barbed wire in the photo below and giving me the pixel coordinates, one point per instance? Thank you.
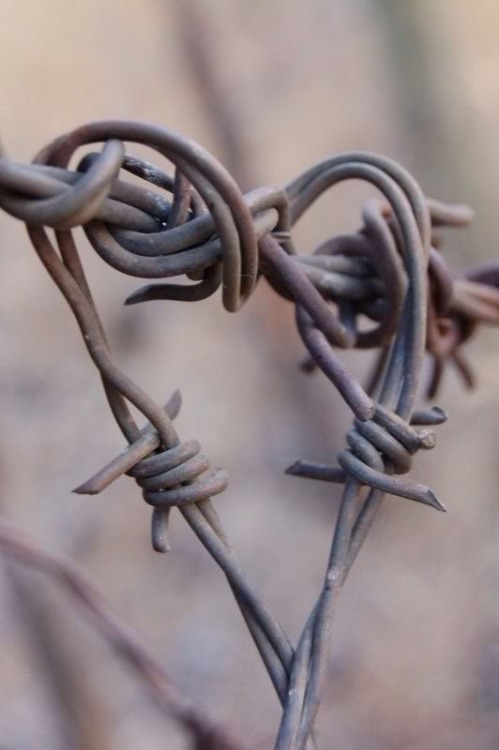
(390, 272)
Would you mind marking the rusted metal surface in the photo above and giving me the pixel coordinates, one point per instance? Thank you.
(384, 287)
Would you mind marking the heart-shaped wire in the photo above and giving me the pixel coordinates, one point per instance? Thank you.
(390, 272)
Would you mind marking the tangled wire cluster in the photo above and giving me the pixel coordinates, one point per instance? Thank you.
(384, 287)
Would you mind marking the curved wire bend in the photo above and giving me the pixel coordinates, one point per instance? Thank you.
(196, 223)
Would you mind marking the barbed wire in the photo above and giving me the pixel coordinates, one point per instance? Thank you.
(199, 225)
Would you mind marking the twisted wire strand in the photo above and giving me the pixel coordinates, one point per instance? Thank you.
(409, 210)
(152, 245)
(270, 639)
(391, 272)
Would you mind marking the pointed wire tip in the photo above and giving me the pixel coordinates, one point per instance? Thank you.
(174, 404)
(313, 470)
(464, 214)
(133, 299)
(439, 413)
(294, 468)
(85, 489)
(131, 455)
(434, 502)
(140, 295)
(433, 416)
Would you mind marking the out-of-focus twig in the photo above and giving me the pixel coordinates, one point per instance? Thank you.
(225, 119)
(206, 734)
(63, 670)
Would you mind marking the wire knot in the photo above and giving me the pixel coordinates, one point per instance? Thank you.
(363, 275)
(168, 477)
(383, 446)
(198, 224)
(171, 477)
(377, 449)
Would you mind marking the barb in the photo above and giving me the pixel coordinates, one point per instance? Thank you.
(196, 223)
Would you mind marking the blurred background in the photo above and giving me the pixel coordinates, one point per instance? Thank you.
(270, 87)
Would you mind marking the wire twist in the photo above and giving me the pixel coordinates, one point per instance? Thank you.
(166, 478)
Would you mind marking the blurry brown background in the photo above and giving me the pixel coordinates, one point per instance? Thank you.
(270, 86)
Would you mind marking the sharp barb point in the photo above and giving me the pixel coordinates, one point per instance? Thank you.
(433, 500)
(293, 469)
(134, 299)
(85, 489)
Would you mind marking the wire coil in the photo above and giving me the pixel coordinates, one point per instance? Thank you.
(166, 478)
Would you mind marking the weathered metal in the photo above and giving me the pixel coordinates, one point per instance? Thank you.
(199, 225)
